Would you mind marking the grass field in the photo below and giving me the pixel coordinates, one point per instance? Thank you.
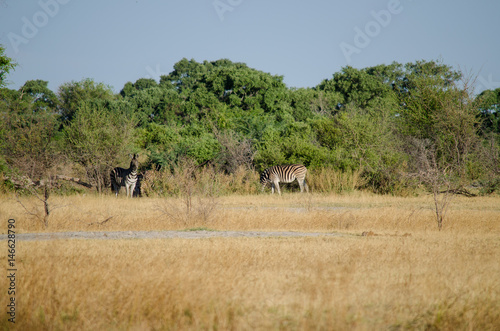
(402, 274)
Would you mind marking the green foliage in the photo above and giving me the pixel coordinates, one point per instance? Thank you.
(72, 94)
(12, 101)
(356, 126)
(489, 105)
(446, 115)
(362, 139)
(358, 87)
(421, 92)
(6, 65)
(28, 130)
(97, 139)
(269, 149)
(184, 77)
(42, 97)
(363, 88)
(28, 143)
(201, 148)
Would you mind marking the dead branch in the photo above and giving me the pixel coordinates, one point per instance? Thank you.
(24, 181)
(32, 213)
(74, 180)
(101, 223)
(463, 192)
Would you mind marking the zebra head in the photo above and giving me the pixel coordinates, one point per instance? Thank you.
(134, 163)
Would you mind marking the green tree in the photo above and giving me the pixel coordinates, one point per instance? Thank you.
(29, 148)
(185, 76)
(6, 65)
(42, 97)
(240, 86)
(437, 73)
(308, 103)
(420, 93)
(489, 105)
(72, 94)
(441, 115)
(146, 103)
(364, 88)
(363, 140)
(162, 143)
(141, 84)
(13, 101)
(97, 139)
(28, 143)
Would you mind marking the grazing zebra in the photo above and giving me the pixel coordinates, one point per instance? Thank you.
(125, 177)
(284, 174)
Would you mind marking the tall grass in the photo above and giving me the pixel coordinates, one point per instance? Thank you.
(163, 183)
(242, 181)
(390, 269)
(326, 180)
(353, 213)
(345, 283)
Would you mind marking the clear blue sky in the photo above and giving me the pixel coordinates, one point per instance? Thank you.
(305, 41)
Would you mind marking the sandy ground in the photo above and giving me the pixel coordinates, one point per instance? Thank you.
(163, 235)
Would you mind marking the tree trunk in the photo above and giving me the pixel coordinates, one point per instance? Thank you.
(46, 195)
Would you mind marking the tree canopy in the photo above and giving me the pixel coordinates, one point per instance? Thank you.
(6, 65)
(362, 120)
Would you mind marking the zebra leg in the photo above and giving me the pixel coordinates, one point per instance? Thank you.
(301, 185)
(116, 188)
(277, 184)
(132, 189)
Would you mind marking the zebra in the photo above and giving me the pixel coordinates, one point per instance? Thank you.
(125, 177)
(284, 174)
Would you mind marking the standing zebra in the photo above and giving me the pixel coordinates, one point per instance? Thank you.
(284, 174)
(125, 177)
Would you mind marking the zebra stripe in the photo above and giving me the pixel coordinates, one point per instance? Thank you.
(284, 174)
(125, 177)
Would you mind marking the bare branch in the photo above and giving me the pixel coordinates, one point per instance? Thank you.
(101, 223)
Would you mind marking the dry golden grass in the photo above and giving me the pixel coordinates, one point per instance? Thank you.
(406, 275)
(351, 213)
